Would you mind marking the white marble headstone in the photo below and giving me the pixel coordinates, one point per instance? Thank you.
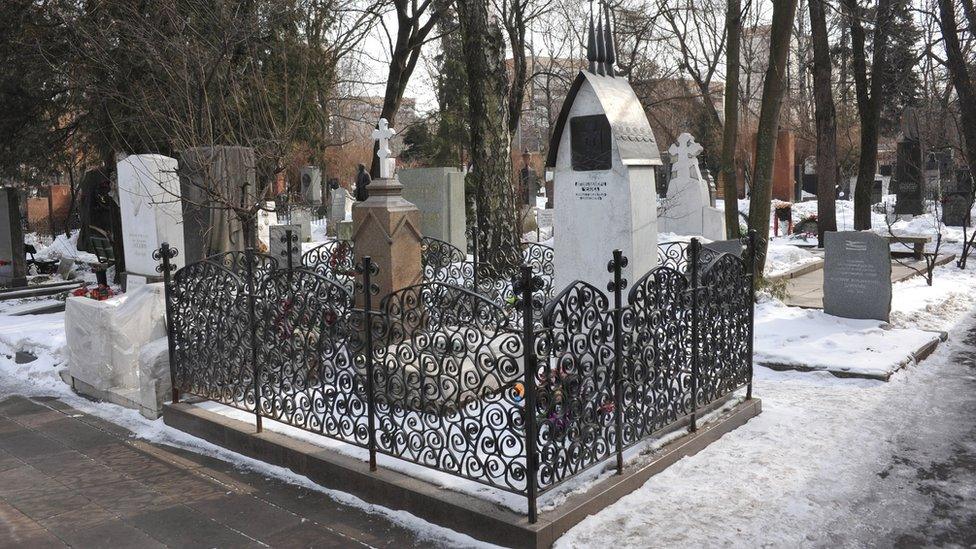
(687, 210)
(279, 245)
(599, 210)
(266, 218)
(149, 199)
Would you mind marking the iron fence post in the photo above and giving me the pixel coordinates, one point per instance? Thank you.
(474, 253)
(289, 246)
(617, 286)
(367, 272)
(165, 253)
(694, 250)
(752, 306)
(525, 287)
(252, 331)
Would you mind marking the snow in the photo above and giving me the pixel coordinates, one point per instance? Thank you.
(782, 258)
(821, 464)
(788, 477)
(811, 339)
(44, 335)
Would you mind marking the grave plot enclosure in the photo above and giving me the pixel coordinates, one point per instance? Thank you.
(443, 374)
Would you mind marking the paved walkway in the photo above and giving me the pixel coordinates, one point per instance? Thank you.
(70, 479)
(806, 290)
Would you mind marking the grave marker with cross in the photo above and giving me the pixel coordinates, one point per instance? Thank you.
(383, 133)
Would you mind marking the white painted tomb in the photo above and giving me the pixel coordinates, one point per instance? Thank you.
(603, 154)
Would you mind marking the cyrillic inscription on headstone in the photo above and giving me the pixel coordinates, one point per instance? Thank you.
(857, 275)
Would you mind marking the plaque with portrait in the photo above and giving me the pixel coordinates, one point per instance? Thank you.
(590, 143)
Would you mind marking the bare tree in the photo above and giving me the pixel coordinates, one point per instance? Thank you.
(416, 20)
(733, 32)
(484, 50)
(827, 168)
(869, 99)
(774, 85)
(170, 77)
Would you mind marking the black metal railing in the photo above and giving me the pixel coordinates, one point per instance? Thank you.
(441, 376)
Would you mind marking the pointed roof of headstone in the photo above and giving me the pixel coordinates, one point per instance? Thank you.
(631, 130)
(600, 50)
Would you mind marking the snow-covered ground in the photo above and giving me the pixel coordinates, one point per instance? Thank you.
(830, 461)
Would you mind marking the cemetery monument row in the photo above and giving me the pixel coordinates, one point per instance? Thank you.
(604, 183)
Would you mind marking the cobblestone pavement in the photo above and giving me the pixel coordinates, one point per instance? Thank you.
(71, 479)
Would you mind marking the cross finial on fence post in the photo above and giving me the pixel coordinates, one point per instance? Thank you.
(617, 286)
(165, 253)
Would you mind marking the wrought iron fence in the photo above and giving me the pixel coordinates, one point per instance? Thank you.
(441, 376)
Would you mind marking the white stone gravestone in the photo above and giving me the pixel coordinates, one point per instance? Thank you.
(279, 245)
(303, 218)
(339, 208)
(266, 218)
(311, 180)
(687, 210)
(439, 194)
(603, 155)
(149, 199)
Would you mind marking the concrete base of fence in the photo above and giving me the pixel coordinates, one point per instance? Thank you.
(478, 518)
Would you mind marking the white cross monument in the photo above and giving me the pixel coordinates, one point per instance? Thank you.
(688, 209)
(383, 133)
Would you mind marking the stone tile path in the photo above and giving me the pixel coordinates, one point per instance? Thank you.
(70, 479)
(806, 290)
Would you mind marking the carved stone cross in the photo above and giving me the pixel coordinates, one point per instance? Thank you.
(684, 155)
(383, 133)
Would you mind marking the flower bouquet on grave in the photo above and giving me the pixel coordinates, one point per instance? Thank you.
(806, 228)
(100, 292)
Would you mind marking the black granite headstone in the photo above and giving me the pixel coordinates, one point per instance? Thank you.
(590, 142)
(810, 183)
(857, 275)
(957, 198)
(13, 262)
(908, 172)
(877, 191)
(955, 206)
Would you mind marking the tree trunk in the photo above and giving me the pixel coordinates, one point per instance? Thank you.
(774, 86)
(484, 52)
(730, 191)
(826, 123)
(516, 34)
(961, 79)
(411, 35)
(868, 102)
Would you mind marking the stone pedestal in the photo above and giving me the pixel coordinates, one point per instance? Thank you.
(783, 166)
(13, 264)
(387, 228)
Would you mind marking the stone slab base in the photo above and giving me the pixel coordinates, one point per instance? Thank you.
(126, 399)
(478, 518)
